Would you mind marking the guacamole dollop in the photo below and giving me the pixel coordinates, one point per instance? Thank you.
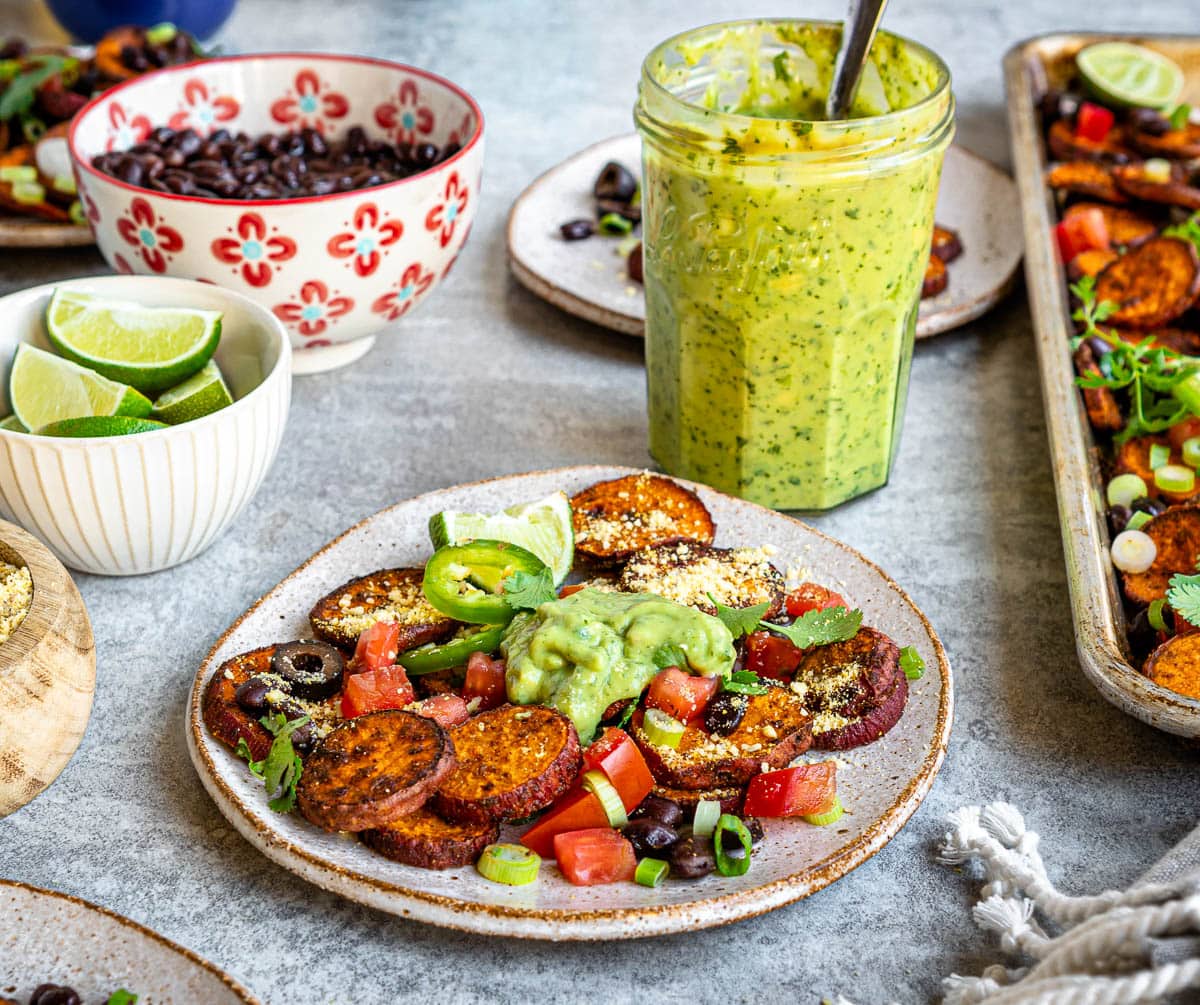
(580, 654)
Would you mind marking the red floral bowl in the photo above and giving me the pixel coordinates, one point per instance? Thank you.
(335, 269)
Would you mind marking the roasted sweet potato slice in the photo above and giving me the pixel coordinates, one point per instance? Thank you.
(936, 277)
(512, 762)
(21, 156)
(1176, 535)
(1181, 144)
(730, 798)
(374, 769)
(615, 518)
(1176, 664)
(775, 728)
(1151, 284)
(1124, 225)
(1085, 178)
(1103, 412)
(108, 53)
(1133, 179)
(830, 733)
(223, 716)
(425, 840)
(946, 244)
(1064, 145)
(848, 678)
(1133, 457)
(1090, 263)
(386, 595)
(687, 573)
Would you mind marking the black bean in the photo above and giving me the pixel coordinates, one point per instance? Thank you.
(724, 712)
(134, 59)
(692, 857)
(577, 230)
(1147, 120)
(615, 182)
(649, 837)
(227, 187)
(251, 694)
(1144, 504)
(314, 143)
(665, 811)
(425, 154)
(54, 994)
(188, 142)
(130, 170)
(1118, 518)
(356, 141)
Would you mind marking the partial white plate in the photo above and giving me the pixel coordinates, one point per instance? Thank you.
(587, 278)
(53, 938)
(881, 784)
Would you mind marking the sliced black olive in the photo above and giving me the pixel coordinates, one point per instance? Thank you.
(54, 994)
(313, 669)
(724, 712)
(615, 182)
(630, 211)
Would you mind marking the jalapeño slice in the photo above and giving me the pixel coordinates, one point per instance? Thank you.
(465, 581)
(436, 656)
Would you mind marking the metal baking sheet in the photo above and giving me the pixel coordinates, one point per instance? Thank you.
(1030, 69)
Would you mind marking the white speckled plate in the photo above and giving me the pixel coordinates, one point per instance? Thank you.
(881, 784)
(49, 937)
(587, 278)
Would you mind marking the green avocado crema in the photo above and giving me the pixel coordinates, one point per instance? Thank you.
(783, 256)
(582, 653)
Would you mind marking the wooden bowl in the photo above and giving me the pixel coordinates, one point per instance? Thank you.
(47, 675)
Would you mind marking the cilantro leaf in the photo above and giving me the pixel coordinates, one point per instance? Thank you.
(280, 769)
(819, 628)
(122, 997)
(627, 714)
(739, 620)
(911, 663)
(744, 682)
(669, 655)
(526, 591)
(1188, 229)
(1183, 594)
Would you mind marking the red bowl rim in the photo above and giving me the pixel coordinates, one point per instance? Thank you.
(327, 57)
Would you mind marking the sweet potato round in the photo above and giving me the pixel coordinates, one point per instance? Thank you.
(1176, 664)
(871, 725)
(385, 595)
(1125, 226)
(1085, 177)
(936, 277)
(1151, 284)
(1183, 144)
(1176, 535)
(1133, 180)
(877, 659)
(223, 716)
(424, 839)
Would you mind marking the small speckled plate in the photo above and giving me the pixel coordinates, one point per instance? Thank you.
(588, 279)
(49, 937)
(881, 785)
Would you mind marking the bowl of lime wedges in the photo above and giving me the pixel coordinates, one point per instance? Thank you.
(138, 416)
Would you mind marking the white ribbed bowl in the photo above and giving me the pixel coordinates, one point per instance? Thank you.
(125, 505)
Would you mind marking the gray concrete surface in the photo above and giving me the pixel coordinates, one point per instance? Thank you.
(486, 380)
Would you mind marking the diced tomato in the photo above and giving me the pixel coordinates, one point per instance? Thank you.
(614, 753)
(485, 680)
(811, 597)
(681, 694)
(566, 591)
(373, 690)
(377, 646)
(577, 810)
(792, 792)
(446, 710)
(1093, 122)
(1081, 232)
(1182, 431)
(594, 856)
(771, 655)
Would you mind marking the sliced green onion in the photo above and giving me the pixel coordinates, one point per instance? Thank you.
(1123, 489)
(1157, 169)
(1187, 392)
(1155, 615)
(1175, 478)
(1160, 454)
(1139, 520)
(122, 997)
(1133, 551)
(75, 211)
(911, 663)
(708, 812)
(661, 729)
(32, 128)
(597, 783)
(831, 815)
(727, 865)
(18, 172)
(64, 183)
(650, 871)
(1191, 451)
(615, 224)
(511, 864)
(161, 33)
(28, 193)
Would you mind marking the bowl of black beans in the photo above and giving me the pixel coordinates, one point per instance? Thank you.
(337, 191)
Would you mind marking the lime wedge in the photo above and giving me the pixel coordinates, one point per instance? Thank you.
(201, 394)
(150, 348)
(543, 527)
(13, 424)
(43, 388)
(1125, 74)
(100, 425)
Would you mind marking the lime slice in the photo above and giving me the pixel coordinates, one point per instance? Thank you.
(543, 527)
(13, 424)
(1126, 74)
(201, 394)
(150, 348)
(100, 425)
(43, 388)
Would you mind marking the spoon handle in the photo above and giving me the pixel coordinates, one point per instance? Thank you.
(857, 36)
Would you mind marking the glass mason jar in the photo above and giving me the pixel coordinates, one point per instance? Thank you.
(784, 255)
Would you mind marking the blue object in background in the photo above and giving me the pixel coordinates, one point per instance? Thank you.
(88, 20)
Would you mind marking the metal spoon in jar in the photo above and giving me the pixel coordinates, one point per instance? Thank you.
(857, 35)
